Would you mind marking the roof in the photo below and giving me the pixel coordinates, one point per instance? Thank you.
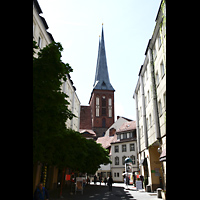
(102, 81)
(106, 140)
(117, 124)
(127, 126)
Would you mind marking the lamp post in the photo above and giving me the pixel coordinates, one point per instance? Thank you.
(128, 168)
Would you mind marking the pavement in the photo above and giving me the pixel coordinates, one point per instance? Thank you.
(97, 192)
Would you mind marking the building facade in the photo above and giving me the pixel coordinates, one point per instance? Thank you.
(125, 146)
(74, 103)
(43, 38)
(150, 99)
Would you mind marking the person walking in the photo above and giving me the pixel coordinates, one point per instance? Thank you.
(100, 179)
(105, 180)
(142, 179)
(41, 193)
(110, 182)
(95, 179)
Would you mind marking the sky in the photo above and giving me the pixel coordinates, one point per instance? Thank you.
(128, 25)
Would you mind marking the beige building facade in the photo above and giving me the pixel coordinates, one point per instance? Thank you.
(43, 38)
(150, 99)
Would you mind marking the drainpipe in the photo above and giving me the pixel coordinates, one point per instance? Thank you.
(137, 122)
(144, 113)
(154, 96)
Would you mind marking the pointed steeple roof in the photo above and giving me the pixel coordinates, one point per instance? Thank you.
(102, 81)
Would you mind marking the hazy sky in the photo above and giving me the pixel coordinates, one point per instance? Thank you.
(128, 26)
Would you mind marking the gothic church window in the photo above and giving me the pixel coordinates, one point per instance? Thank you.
(109, 107)
(104, 106)
(97, 106)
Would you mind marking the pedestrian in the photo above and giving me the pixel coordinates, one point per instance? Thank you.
(41, 193)
(127, 180)
(105, 180)
(100, 179)
(110, 182)
(95, 179)
(142, 179)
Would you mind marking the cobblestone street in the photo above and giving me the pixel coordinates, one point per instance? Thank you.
(97, 192)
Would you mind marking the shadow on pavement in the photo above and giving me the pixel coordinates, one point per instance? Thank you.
(94, 192)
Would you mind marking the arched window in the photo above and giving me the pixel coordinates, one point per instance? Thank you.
(133, 159)
(116, 160)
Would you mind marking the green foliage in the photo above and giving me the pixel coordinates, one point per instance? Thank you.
(53, 143)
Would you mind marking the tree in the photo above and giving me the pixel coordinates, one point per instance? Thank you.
(53, 143)
(50, 105)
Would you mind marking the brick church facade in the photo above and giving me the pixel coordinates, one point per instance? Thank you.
(99, 115)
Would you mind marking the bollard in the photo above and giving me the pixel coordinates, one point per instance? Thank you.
(159, 195)
(148, 188)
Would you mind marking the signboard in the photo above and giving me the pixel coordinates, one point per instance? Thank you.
(138, 185)
(79, 184)
(128, 167)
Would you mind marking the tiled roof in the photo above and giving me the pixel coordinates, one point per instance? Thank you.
(106, 140)
(87, 131)
(127, 126)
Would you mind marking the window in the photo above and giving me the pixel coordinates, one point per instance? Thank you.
(154, 52)
(116, 160)
(130, 134)
(124, 135)
(116, 149)
(109, 107)
(159, 41)
(157, 79)
(132, 147)
(150, 120)
(164, 97)
(141, 131)
(147, 123)
(117, 174)
(145, 99)
(123, 160)
(103, 105)
(118, 136)
(160, 108)
(97, 106)
(133, 159)
(40, 42)
(124, 148)
(148, 96)
(162, 69)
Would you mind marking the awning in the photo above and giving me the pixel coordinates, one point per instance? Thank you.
(163, 155)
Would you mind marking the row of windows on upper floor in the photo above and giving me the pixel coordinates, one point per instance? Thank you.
(123, 160)
(126, 135)
(159, 74)
(124, 149)
(160, 104)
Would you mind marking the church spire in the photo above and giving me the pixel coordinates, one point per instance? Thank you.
(102, 81)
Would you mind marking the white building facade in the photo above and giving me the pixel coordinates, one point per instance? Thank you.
(125, 146)
(150, 99)
(74, 105)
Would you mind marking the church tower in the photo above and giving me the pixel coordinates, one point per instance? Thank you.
(102, 96)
